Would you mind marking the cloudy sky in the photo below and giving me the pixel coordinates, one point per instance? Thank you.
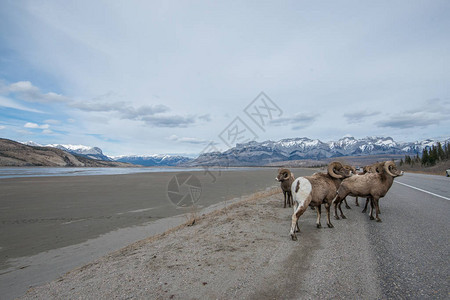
(144, 77)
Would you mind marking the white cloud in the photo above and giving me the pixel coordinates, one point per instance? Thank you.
(53, 122)
(432, 112)
(359, 116)
(188, 140)
(26, 91)
(5, 102)
(36, 126)
(47, 131)
(299, 120)
(2, 127)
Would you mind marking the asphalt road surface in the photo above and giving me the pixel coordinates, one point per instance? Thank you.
(406, 256)
(413, 250)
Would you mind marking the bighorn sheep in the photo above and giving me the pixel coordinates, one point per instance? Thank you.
(366, 169)
(371, 185)
(373, 168)
(286, 178)
(353, 170)
(315, 190)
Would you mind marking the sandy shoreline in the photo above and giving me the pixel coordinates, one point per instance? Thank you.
(204, 260)
(51, 225)
(243, 252)
(43, 213)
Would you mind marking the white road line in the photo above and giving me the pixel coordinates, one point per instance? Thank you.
(413, 187)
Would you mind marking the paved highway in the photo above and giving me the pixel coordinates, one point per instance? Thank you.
(407, 256)
(413, 256)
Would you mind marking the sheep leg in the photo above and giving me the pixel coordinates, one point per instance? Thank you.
(319, 209)
(290, 202)
(377, 209)
(284, 193)
(346, 204)
(295, 205)
(340, 209)
(365, 207)
(295, 216)
(327, 206)
(336, 201)
(299, 210)
(356, 201)
(371, 209)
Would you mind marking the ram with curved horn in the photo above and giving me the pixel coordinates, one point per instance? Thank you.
(286, 178)
(315, 190)
(367, 169)
(371, 185)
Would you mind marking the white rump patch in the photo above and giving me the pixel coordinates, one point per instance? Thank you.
(303, 192)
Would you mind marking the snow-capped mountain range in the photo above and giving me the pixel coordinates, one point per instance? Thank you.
(262, 153)
(154, 160)
(97, 153)
(87, 151)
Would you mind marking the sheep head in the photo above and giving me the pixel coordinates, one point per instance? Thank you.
(391, 169)
(337, 170)
(374, 168)
(351, 168)
(283, 174)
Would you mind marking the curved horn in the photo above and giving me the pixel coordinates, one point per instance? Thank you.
(352, 168)
(332, 166)
(378, 167)
(373, 168)
(287, 173)
(387, 165)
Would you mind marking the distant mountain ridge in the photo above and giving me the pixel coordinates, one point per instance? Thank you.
(87, 151)
(97, 154)
(19, 154)
(268, 152)
(154, 160)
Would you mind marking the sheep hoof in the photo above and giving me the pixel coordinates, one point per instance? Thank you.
(330, 225)
(348, 207)
(364, 211)
(378, 220)
(337, 218)
(357, 204)
(319, 225)
(293, 237)
(343, 217)
(372, 218)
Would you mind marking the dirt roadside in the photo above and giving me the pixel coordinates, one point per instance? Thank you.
(243, 251)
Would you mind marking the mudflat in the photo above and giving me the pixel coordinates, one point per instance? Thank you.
(38, 214)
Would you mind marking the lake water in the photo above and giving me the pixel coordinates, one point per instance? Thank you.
(49, 171)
